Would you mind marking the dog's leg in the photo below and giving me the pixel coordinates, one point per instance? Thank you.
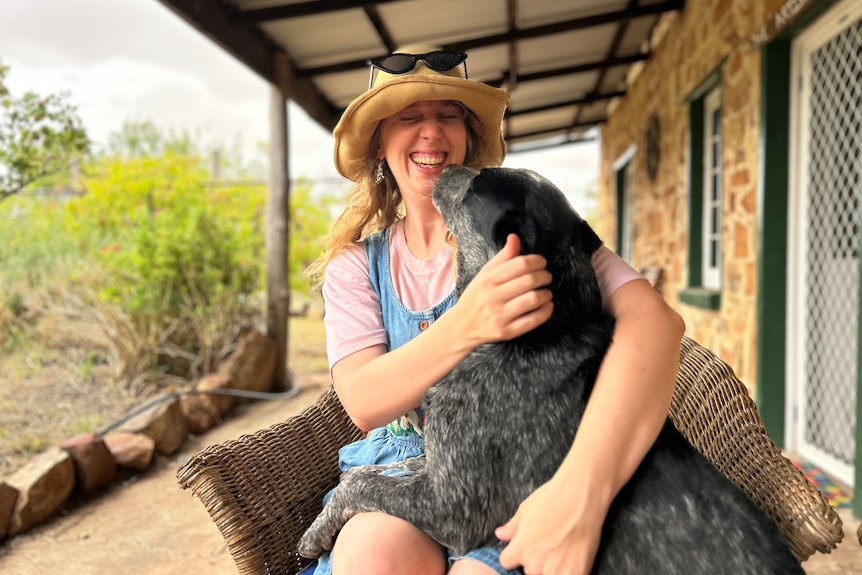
(352, 496)
(410, 497)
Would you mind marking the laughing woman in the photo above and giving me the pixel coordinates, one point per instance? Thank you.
(394, 327)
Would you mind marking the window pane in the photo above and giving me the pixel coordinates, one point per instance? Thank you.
(711, 216)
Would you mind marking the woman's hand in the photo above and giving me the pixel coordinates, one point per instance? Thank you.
(552, 533)
(505, 299)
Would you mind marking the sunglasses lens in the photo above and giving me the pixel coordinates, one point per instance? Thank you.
(395, 63)
(443, 61)
(438, 61)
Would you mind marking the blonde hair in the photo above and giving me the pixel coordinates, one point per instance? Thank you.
(373, 206)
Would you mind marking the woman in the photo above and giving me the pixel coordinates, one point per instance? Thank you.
(387, 283)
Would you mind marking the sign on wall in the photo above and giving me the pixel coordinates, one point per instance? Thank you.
(779, 21)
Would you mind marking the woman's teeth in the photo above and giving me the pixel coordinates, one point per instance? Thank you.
(427, 159)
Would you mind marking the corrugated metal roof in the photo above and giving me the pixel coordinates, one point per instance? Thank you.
(563, 61)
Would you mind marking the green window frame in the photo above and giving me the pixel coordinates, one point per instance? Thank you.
(704, 195)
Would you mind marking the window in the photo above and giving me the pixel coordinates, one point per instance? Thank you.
(705, 196)
(624, 177)
(711, 242)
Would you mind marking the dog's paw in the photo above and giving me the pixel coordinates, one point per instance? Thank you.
(320, 536)
(313, 543)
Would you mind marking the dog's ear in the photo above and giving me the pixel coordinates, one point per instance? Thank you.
(585, 235)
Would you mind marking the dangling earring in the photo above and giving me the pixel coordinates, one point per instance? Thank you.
(379, 176)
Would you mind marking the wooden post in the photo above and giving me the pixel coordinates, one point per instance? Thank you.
(277, 236)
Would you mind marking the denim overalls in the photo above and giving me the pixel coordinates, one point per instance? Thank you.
(398, 440)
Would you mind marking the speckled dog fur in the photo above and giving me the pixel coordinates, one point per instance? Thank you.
(498, 426)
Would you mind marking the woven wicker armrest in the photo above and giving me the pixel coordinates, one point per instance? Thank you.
(263, 490)
(713, 409)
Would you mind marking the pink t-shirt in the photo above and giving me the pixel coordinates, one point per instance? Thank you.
(353, 318)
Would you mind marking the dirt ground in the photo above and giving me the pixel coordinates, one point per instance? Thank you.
(147, 525)
(144, 523)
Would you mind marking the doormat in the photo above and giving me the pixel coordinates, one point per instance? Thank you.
(837, 495)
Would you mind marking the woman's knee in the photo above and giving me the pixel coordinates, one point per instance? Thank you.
(376, 543)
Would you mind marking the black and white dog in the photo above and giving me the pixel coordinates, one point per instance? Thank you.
(499, 425)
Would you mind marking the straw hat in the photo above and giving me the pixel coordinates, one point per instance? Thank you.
(393, 92)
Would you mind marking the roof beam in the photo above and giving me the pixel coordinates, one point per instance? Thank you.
(382, 32)
(581, 68)
(215, 21)
(299, 9)
(568, 104)
(512, 138)
(612, 52)
(568, 140)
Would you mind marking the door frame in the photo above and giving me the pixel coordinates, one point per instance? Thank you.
(773, 172)
(796, 416)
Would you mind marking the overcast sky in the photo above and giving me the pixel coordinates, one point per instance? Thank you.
(134, 60)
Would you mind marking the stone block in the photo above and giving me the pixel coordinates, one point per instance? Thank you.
(252, 365)
(43, 484)
(164, 423)
(8, 496)
(95, 468)
(131, 450)
(201, 412)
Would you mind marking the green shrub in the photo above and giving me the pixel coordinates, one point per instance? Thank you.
(168, 266)
(180, 261)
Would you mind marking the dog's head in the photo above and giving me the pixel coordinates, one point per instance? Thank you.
(482, 209)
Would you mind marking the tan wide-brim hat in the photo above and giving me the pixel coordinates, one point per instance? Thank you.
(393, 92)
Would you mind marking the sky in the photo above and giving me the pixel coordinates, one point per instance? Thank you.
(134, 60)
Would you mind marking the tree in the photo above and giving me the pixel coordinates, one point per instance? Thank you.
(144, 139)
(40, 136)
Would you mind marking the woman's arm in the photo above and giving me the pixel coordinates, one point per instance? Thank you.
(502, 302)
(557, 528)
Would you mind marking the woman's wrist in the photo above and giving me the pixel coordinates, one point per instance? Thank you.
(585, 487)
(456, 331)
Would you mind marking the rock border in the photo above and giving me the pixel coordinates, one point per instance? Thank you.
(89, 463)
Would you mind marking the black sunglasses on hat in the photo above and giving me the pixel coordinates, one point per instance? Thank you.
(439, 61)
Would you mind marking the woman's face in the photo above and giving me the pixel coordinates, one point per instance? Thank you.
(421, 140)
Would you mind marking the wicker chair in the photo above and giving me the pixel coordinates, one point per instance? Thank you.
(263, 490)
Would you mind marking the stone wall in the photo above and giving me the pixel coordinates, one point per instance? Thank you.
(687, 47)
